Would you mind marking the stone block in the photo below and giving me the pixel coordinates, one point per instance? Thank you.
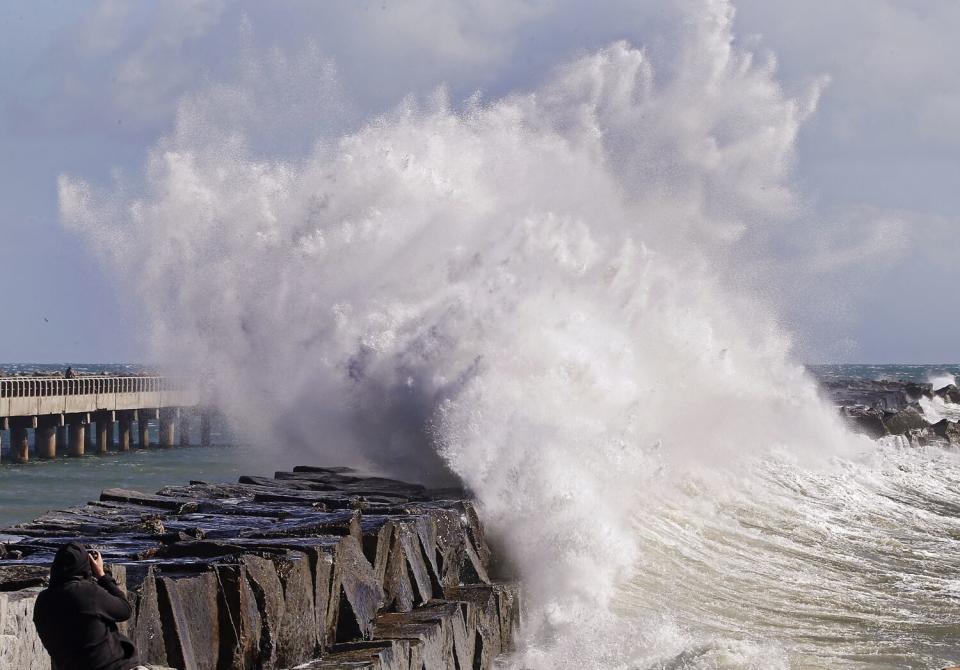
(20, 646)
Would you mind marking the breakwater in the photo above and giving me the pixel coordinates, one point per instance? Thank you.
(317, 565)
(914, 413)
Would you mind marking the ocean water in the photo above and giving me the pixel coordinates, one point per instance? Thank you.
(566, 298)
(937, 374)
(854, 567)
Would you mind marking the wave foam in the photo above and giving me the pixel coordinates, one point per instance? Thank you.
(521, 293)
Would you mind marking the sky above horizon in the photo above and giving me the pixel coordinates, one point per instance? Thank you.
(88, 87)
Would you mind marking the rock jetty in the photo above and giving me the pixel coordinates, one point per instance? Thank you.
(895, 408)
(318, 568)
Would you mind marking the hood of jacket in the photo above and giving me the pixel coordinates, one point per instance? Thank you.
(71, 562)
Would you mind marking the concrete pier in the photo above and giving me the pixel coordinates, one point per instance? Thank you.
(104, 421)
(78, 439)
(79, 415)
(183, 428)
(143, 432)
(45, 440)
(62, 439)
(123, 431)
(205, 428)
(168, 420)
(19, 441)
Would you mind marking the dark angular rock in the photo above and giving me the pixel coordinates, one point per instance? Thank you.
(948, 430)
(270, 573)
(240, 621)
(496, 625)
(299, 639)
(916, 391)
(176, 505)
(867, 421)
(905, 421)
(146, 629)
(376, 655)
(460, 620)
(17, 576)
(357, 590)
(949, 393)
(268, 593)
(190, 617)
(320, 523)
(431, 637)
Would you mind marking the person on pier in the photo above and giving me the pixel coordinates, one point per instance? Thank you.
(77, 615)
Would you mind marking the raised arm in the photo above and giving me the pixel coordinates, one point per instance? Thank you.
(111, 602)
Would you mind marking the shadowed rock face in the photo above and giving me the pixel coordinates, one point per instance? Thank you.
(319, 566)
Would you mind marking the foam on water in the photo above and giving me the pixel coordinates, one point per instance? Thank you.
(526, 294)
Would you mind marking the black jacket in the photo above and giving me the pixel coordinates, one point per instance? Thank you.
(77, 616)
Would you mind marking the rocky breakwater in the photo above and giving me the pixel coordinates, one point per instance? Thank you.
(315, 568)
(915, 414)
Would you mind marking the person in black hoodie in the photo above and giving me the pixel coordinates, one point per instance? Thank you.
(77, 615)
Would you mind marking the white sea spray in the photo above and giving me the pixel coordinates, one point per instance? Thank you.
(524, 294)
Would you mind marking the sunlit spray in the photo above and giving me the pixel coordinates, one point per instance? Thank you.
(523, 294)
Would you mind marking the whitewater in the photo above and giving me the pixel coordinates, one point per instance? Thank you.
(543, 297)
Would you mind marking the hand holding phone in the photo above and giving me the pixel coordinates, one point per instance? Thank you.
(96, 563)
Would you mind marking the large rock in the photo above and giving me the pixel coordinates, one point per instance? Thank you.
(146, 629)
(318, 566)
(240, 621)
(189, 613)
(905, 421)
(949, 393)
(866, 421)
(20, 646)
(948, 431)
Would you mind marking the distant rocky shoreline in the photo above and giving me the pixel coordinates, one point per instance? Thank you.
(896, 408)
(315, 568)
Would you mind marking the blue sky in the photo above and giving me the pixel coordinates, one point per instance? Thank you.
(87, 87)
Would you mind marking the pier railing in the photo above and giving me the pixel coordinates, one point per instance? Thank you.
(43, 396)
(44, 387)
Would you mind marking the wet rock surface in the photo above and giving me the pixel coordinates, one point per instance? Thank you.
(319, 566)
(880, 409)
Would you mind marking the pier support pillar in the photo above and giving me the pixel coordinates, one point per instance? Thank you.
(62, 441)
(183, 427)
(143, 426)
(143, 433)
(19, 442)
(78, 439)
(104, 422)
(167, 425)
(45, 440)
(123, 431)
(205, 428)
